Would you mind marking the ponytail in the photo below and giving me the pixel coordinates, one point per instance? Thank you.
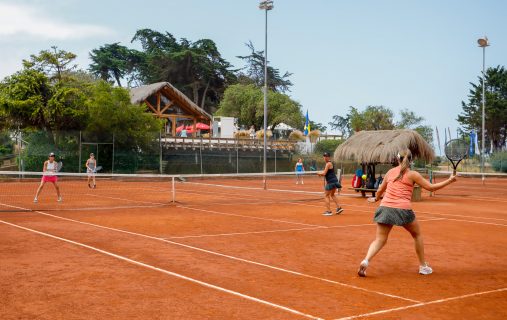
(404, 159)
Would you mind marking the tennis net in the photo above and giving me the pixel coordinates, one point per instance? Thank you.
(121, 191)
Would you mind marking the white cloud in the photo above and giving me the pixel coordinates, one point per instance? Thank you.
(23, 20)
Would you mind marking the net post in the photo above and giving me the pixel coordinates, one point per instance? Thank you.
(431, 180)
(173, 191)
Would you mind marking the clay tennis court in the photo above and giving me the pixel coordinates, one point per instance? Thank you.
(125, 251)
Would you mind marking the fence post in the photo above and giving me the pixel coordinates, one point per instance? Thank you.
(173, 191)
(160, 150)
(80, 159)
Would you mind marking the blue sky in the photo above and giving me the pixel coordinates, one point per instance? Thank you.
(419, 55)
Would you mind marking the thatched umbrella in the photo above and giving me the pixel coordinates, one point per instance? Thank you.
(382, 146)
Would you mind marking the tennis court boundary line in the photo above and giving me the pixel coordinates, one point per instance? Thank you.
(229, 257)
(285, 230)
(167, 272)
(422, 304)
(250, 217)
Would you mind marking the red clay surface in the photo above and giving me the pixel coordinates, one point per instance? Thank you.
(223, 253)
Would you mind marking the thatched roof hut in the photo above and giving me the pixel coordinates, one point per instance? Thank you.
(382, 146)
(142, 93)
(168, 103)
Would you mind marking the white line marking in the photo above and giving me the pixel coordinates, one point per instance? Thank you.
(250, 217)
(459, 215)
(285, 230)
(123, 199)
(242, 233)
(477, 222)
(174, 274)
(421, 304)
(228, 256)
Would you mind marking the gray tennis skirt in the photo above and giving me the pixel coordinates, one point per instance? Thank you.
(394, 216)
(332, 185)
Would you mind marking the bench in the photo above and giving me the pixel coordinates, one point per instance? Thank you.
(364, 190)
(416, 194)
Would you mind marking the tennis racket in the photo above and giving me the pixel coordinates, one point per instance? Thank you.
(59, 166)
(456, 150)
(98, 168)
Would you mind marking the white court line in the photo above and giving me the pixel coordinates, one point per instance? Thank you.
(250, 217)
(242, 233)
(421, 304)
(174, 274)
(227, 256)
(459, 215)
(123, 199)
(285, 230)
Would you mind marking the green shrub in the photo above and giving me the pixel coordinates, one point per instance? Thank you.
(327, 146)
(499, 161)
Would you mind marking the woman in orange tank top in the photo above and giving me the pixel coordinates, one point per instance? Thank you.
(396, 209)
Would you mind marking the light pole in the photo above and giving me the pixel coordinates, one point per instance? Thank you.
(483, 43)
(265, 5)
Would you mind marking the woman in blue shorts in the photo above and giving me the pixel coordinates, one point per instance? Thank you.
(300, 170)
(332, 184)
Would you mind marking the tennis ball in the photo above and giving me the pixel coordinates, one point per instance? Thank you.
(364, 177)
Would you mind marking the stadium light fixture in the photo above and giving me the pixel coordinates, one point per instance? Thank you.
(265, 5)
(483, 43)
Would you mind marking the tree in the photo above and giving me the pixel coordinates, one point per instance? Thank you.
(111, 61)
(55, 64)
(196, 68)
(342, 124)
(245, 102)
(254, 72)
(380, 118)
(30, 100)
(495, 110)
(317, 126)
(409, 120)
(372, 118)
(111, 112)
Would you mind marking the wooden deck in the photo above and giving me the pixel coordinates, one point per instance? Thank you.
(226, 144)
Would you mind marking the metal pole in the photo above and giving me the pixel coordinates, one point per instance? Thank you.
(173, 190)
(200, 156)
(112, 162)
(79, 165)
(160, 150)
(265, 92)
(483, 108)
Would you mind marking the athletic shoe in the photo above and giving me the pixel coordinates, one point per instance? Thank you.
(35, 200)
(339, 210)
(327, 213)
(297, 182)
(362, 268)
(94, 186)
(426, 269)
(302, 182)
(59, 199)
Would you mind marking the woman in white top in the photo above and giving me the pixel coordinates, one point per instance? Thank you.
(91, 165)
(49, 175)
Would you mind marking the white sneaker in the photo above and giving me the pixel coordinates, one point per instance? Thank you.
(426, 269)
(297, 182)
(35, 200)
(362, 268)
(302, 182)
(60, 199)
(327, 213)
